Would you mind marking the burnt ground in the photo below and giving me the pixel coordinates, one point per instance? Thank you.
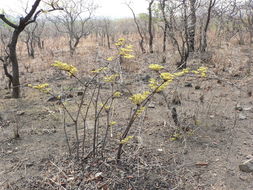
(217, 113)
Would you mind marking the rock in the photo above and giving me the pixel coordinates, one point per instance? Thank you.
(30, 164)
(247, 166)
(145, 78)
(99, 174)
(238, 107)
(52, 99)
(151, 105)
(188, 84)
(236, 75)
(197, 87)
(68, 96)
(249, 157)
(20, 112)
(242, 117)
(79, 93)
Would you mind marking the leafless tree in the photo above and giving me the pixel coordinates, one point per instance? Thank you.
(138, 30)
(5, 61)
(105, 29)
(75, 21)
(192, 25)
(29, 18)
(203, 42)
(150, 19)
(29, 34)
(246, 17)
(177, 28)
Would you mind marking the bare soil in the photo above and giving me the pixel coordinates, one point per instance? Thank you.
(218, 117)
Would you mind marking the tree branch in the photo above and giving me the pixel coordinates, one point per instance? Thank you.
(9, 23)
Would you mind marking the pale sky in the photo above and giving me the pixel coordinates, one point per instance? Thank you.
(108, 8)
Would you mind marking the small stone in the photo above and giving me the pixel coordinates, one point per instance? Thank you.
(79, 93)
(151, 105)
(188, 84)
(52, 99)
(247, 166)
(145, 78)
(197, 87)
(238, 107)
(29, 164)
(69, 96)
(20, 112)
(219, 81)
(242, 117)
(70, 178)
(249, 157)
(159, 150)
(211, 116)
(99, 174)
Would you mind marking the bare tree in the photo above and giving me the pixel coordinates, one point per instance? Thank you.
(138, 30)
(38, 33)
(29, 40)
(5, 61)
(30, 17)
(150, 19)
(74, 21)
(180, 26)
(192, 25)
(246, 17)
(203, 42)
(106, 29)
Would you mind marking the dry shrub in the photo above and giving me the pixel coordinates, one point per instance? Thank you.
(221, 61)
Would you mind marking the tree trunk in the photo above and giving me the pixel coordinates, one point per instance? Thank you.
(5, 67)
(204, 32)
(164, 41)
(141, 41)
(150, 27)
(192, 26)
(108, 41)
(14, 61)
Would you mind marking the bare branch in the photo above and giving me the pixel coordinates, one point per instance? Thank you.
(9, 23)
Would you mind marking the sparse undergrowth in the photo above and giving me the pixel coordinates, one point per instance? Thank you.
(201, 151)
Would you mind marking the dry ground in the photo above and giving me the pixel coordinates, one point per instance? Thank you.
(220, 136)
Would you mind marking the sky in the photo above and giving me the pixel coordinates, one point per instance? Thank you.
(107, 8)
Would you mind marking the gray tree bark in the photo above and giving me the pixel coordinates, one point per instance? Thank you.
(192, 25)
